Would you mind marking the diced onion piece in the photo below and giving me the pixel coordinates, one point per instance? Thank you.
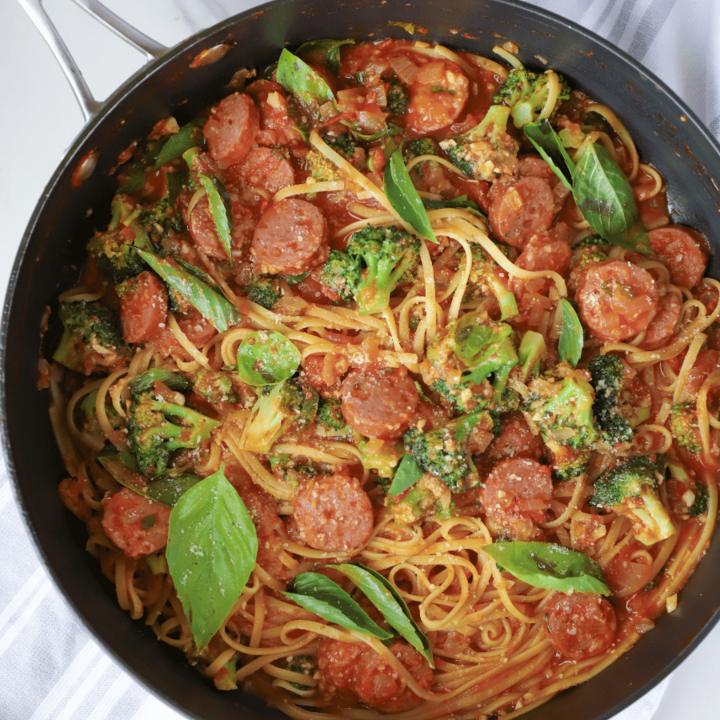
(351, 96)
(371, 122)
(405, 69)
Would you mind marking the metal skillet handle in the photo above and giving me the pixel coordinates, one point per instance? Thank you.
(88, 104)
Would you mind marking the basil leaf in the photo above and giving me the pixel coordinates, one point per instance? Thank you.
(211, 551)
(458, 202)
(409, 27)
(174, 181)
(572, 335)
(407, 474)
(222, 217)
(548, 565)
(327, 599)
(175, 145)
(403, 196)
(134, 182)
(170, 489)
(606, 200)
(547, 143)
(391, 130)
(385, 597)
(299, 79)
(267, 358)
(145, 381)
(330, 50)
(210, 304)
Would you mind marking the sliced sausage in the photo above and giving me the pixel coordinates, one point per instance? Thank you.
(617, 300)
(143, 307)
(520, 209)
(517, 495)
(379, 402)
(546, 251)
(359, 669)
(532, 165)
(278, 126)
(333, 513)
(202, 229)
(580, 626)
(291, 238)
(231, 129)
(663, 325)
(138, 526)
(438, 94)
(199, 331)
(683, 251)
(515, 440)
(265, 169)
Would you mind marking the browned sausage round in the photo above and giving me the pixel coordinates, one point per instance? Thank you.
(517, 495)
(617, 299)
(333, 513)
(263, 169)
(681, 249)
(277, 124)
(379, 402)
(231, 129)
(138, 526)
(520, 209)
(664, 323)
(358, 668)
(291, 238)
(580, 626)
(143, 307)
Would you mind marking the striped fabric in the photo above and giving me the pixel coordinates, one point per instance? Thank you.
(50, 667)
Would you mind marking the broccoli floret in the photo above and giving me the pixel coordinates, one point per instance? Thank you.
(304, 665)
(443, 452)
(397, 98)
(532, 350)
(321, 168)
(632, 490)
(607, 373)
(216, 387)
(289, 469)
(160, 218)
(421, 146)
(91, 338)
(384, 460)
(342, 144)
(487, 151)
(485, 276)
(430, 496)
(275, 411)
(561, 404)
(330, 420)
(341, 275)
(157, 427)
(263, 291)
(700, 503)
(684, 427)
(526, 94)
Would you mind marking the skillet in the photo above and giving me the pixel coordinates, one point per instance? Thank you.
(652, 116)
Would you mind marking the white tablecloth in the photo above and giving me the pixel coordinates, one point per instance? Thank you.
(50, 667)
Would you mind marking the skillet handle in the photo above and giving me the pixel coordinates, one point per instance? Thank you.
(88, 104)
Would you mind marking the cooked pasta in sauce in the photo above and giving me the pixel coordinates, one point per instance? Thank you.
(383, 293)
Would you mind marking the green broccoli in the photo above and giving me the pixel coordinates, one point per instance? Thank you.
(91, 340)
(275, 411)
(631, 489)
(160, 218)
(263, 290)
(157, 427)
(321, 168)
(397, 98)
(486, 276)
(526, 94)
(532, 350)
(376, 261)
(684, 427)
(608, 374)
(561, 404)
(330, 420)
(216, 387)
(487, 150)
(304, 665)
(421, 146)
(342, 144)
(383, 461)
(289, 469)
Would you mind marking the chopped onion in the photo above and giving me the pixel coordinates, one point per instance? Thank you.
(371, 122)
(351, 96)
(405, 69)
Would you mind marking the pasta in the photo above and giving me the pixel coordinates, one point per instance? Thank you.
(367, 406)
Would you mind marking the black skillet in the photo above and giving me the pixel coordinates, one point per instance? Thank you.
(666, 132)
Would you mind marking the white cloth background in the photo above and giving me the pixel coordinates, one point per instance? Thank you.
(50, 667)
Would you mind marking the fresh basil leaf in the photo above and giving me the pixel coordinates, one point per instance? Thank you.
(145, 381)
(548, 565)
(210, 304)
(391, 130)
(175, 145)
(403, 196)
(572, 335)
(299, 79)
(221, 216)
(407, 474)
(409, 27)
(606, 200)
(547, 143)
(329, 49)
(170, 489)
(175, 181)
(211, 551)
(325, 598)
(295, 279)
(134, 182)
(458, 202)
(385, 597)
(267, 358)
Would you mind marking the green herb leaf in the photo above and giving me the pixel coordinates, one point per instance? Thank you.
(385, 597)
(407, 474)
(409, 27)
(329, 50)
(175, 145)
(548, 565)
(298, 78)
(458, 202)
(222, 217)
(267, 358)
(145, 381)
(327, 599)
(211, 551)
(551, 149)
(606, 200)
(391, 130)
(210, 304)
(404, 197)
(572, 335)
